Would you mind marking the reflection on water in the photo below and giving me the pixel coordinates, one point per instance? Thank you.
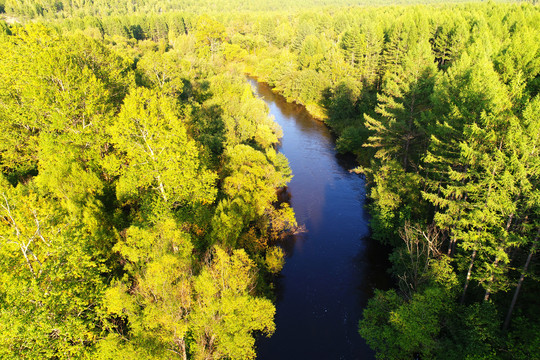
(332, 268)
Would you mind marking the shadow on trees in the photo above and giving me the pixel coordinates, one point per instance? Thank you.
(345, 108)
(208, 128)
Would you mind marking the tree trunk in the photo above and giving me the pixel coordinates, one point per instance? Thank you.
(467, 280)
(520, 282)
(161, 188)
(183, 349)
(24, 250)
(488, 289)
(450, 251)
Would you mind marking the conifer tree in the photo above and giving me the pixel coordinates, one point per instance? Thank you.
(399, 131)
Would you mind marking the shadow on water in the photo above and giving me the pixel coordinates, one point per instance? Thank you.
(333, 267)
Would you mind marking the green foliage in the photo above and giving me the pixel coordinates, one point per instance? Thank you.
(399, 132)
(524, 341)
(209, 34)
(63, 176)
(159, 297)
(395, 202)
(249, 187)
(374, 327)
(153, 146)
(448, 160)
(473, 332)
(225, 315)
(275, 259)
(51, 266)
(251, 176)
(113, 164)
(428, 325)
(398, 330)
(67, 86)
(67, 9)
(4, 28)
(164, 71)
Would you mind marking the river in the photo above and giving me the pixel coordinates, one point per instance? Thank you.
(332, 268)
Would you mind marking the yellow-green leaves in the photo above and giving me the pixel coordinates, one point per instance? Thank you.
(156, 154)
(65, 176)
(143, 244)
(215, 312)
(244, 117)
(164, 71)
(104, 240)
(157, 296)
(50, 277)
(68, 86)
(117, 301)
(250, 190)
(210, 34)
(225, 313)
(275, 259)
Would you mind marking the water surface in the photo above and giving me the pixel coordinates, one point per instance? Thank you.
(332, 268)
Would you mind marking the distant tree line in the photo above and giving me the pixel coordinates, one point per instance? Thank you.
(103, 8)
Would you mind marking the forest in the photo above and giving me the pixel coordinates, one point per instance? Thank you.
(139, 209)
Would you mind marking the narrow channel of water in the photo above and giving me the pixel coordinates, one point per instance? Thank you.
(332, 269)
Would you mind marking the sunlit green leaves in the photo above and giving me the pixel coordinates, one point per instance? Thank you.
(155, 152)
(225, 313)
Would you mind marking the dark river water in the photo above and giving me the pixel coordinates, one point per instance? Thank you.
(332, 268)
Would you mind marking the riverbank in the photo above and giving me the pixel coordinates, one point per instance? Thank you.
(332, 268)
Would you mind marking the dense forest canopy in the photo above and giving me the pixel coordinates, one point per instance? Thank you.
(70, 8)
(139, 215)
(137, 202)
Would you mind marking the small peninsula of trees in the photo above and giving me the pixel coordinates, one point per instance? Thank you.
(138, 207)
